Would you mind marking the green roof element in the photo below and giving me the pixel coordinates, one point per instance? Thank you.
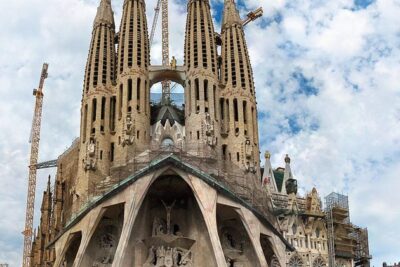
(279, 179)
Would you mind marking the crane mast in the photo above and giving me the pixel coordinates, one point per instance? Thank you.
(34, 140)
(166, 85)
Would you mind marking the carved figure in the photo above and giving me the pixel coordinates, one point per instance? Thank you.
(151, 258)
(128, 131)
(248, 149)
(92, 147)
(158, 227)
(169, 210)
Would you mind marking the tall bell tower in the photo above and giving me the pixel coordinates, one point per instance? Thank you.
(132, 91)
(237, 103)
(97, 101)
(201, 92)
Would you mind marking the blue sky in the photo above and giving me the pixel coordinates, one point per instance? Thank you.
(328, 92)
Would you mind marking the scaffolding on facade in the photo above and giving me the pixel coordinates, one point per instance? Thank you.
(337, 211)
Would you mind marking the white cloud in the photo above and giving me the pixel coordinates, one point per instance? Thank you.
(344, 136)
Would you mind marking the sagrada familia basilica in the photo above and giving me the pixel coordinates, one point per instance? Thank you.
(155, 184)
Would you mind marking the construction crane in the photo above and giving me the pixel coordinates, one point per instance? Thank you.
(166, 85)
(252, 16)
(34, 140)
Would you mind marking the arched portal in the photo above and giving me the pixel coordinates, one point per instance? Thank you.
(71, 249)
(103, 244)
(170, 229)
(236, 244)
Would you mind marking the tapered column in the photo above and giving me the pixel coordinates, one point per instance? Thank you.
(202, 80)
(238, 101)
(133, 94)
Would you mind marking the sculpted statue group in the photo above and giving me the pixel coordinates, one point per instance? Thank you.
(168, 257)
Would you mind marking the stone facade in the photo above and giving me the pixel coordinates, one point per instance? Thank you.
(151, 184)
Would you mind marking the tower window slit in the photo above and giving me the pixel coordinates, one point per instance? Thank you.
(145, 98)
(122, 41)
(130, 41)
(227, 111)
(112, 113)
(206, 90)
(89, 64)
(215, 100)
(244, 111)
(138, 88)
(85, 118)
(224, 151)
(233, 60)
(103, 107)
(96, 59)
(121, 91)
(112, 152)
(196, 82)
(221, 108)
(139, 36)
(235, 109)
(189, 100)
(94, 109)
(104, 73)
(130, 90)
(237, 156)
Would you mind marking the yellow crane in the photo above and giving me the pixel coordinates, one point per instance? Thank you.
(34, 140)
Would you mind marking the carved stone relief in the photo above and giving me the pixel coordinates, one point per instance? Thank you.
(167, 245)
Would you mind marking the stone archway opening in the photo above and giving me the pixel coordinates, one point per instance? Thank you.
(236, 244)
(169, 229)
(268, 251)
(104, 241)
(72, 249)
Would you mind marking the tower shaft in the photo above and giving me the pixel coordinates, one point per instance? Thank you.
(133, 92)
(98, 103)
(238, 100)
(201, 90)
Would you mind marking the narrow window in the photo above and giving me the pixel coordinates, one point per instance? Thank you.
(235, 109)
(215, 101)
(121, 91)
(206, 90)
(198, 135)
(224, 149)
(138, 88)
(197, 89)
(129, 90)
(245, 111)
(101, 154)
(137, 134)
(237, 156)
(112, 113)
(221, 108)
(103, 107)
(94, 109)
(227, 110)
(85, 117)
(112, 152)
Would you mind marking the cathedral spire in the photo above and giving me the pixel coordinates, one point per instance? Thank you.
(287, 174)
(105, 14)
(100, 66)
(268, 177)
(231, 14)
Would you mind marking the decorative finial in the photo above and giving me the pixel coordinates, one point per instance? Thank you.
(267, 154)
(287, 159)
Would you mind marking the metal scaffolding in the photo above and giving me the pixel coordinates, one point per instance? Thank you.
(334, 200)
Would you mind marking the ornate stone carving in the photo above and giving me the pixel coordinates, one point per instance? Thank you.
(129, 131)
(210, 133)
(167, 246)
(90, 162)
